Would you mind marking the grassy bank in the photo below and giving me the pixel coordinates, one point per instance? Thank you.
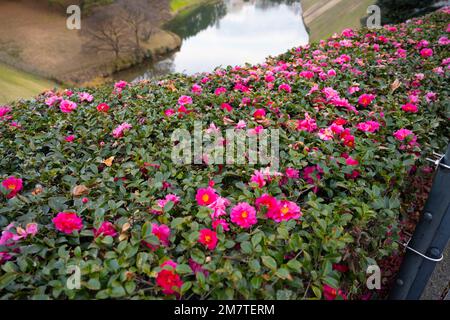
(15, 84)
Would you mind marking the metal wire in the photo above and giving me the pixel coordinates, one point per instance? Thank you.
(406, 245)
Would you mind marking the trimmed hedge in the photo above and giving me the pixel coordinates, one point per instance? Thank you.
(88, 179)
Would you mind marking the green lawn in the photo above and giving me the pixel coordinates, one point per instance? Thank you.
(15, 84)
(343, 14)
(178, 5)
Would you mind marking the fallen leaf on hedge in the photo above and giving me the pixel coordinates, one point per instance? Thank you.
(123, 236)
(37, 190)
(126, 226)
(395, 85)
(80, 190)
(108, 162)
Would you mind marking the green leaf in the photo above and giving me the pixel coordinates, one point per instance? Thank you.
(294, 265)
(93, 284)
(246, 247)
(6, 279)
(256, 239)
(282, 273)
(183, 269)
(269, 262)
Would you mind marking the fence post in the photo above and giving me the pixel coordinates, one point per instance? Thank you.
(430, 238)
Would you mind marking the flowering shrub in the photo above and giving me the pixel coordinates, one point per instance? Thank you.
(88, 179)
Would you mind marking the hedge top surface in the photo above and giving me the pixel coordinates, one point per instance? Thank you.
(88, 182)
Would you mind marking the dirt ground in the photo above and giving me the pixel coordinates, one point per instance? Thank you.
(35, 39)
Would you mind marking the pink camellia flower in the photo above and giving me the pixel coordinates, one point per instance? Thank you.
(169, 112)
(287, 210)
(226, 106)
(351, 161)
(220, 222)
(208, 238)
(67, 106)
(103, 107)
(120, 85)
(30, 229)
(4, 110)
(106, 229)
(292, 173)
(162, 202)
(13, 185)
(50, 101)
(70, 138)
(241, 124)
(308, 124)
(348, 33)
(431, 96)
(256, 130)
(366, 99)
(269, 77)
(270, 203)
(206, 196)
(244, 215)
(184, 100)
(258, 178)
(119, 131)
(162, 232)
(353, 89)
(285, 87)
(325, 134)
(368, 126)
(259, 114)
(196, 89)
(220, 91)
(219, 206)
(169, 264)
(426, 52)
(402, 134)
(306, 74)
(409, 107)
(84, 96)
(67, 222)
(330, 293)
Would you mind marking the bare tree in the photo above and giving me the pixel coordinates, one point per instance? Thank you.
(105, 31)
(142, 17)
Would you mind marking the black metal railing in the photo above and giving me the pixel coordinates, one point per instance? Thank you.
(426, 247)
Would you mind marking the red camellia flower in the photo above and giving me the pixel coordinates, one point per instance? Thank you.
(409, 107)
(208, 238)
(168, 279)
(331, 293)
(67, 222)
(13, 185)
(206, 196)
(103, 107)
(106, 229)
(266, 200)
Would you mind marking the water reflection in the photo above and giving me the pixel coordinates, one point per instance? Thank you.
(231, 32)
